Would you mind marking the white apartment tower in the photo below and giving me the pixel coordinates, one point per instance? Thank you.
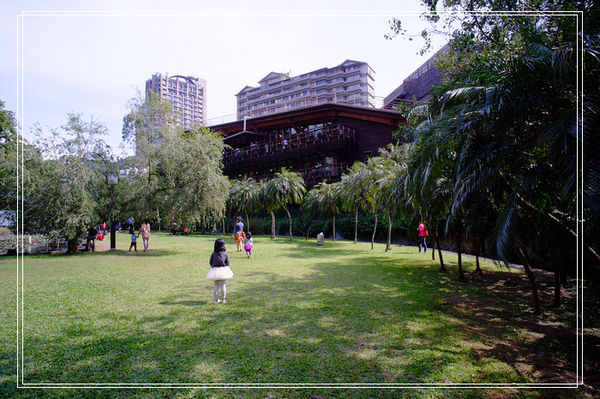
(351, 83)
(186, 94)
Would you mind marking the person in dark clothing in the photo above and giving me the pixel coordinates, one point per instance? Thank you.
(219, 270)
(91, 239)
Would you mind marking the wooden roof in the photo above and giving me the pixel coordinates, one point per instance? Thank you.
(313, 114)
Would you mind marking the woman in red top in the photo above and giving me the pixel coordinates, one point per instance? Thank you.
(423, 233)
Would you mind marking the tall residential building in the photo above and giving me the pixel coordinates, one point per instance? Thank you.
(187, 94)
(351, 83)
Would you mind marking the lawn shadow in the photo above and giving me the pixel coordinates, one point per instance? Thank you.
(366, 319)
(140, 253)
(185, 303)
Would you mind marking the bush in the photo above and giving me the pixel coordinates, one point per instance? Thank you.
(9, 241)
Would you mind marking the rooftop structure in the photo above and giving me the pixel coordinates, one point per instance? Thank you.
(319, 142)
(351, 82)
(186, 94)
(417, 86)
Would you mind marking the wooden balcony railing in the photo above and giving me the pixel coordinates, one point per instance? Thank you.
(305, 139)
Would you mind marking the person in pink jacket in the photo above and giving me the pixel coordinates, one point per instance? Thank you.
(423, 233)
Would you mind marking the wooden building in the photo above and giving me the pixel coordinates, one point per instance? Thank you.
(319, 142)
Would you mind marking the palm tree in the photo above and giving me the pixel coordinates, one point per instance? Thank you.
(369, 176)
(351, 194)
(242, 193)
(323, 197)
(263, 200)
(507, 143)
(310, 205)
(287, 188)
(431, 173)
(392, 182)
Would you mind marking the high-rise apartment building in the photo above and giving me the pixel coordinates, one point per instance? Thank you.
(350, 83)
(187, 95)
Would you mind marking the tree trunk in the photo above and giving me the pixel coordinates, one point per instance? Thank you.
(113, 236)
(461, 274)
(311, 225)
(272, 224)
(556, 287)
(442, 266)
(374, 230)
(356, 225)
(388, 244)
(157, 217)
(433, 243)
(556, 263)
(333, 225)
(72, 247)
(478, 267)
(247, 220)
(437, 242)
(561, 267)
(290, 219)
(555, 219)
(530, 276)
(223, 225)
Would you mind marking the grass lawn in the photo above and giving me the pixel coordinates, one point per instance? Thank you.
(295, 314)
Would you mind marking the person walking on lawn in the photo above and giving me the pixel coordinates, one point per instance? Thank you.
(219, 270)
(145, 233)
(423, 233)
(133, 243)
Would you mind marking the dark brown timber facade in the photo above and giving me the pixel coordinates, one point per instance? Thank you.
(319, 142)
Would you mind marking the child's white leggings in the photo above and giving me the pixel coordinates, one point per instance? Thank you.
(219, 283)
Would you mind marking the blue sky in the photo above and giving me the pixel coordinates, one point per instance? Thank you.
(91, 57)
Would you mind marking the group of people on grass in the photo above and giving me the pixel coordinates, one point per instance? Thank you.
(98, 232)
(220, 271)
(144, 232)
(219, 262)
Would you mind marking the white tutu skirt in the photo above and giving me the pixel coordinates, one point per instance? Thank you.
(219, 273)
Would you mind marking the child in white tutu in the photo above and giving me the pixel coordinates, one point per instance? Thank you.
(219, 270)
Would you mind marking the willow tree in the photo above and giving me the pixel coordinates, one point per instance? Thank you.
(62, 190)
(147, 127)
(181, 170)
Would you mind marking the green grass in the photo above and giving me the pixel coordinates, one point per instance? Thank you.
(295, 314)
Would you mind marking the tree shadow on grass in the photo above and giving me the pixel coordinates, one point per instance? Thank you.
(503, 331)
(186, 303)
(139, 253)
